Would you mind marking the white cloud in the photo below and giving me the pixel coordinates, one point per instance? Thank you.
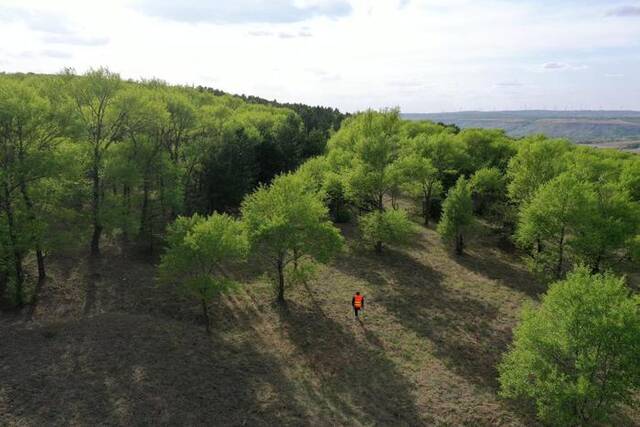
(424, 55)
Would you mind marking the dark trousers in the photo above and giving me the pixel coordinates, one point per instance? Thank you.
(356, 310)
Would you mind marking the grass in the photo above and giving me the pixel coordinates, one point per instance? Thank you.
(108, 346)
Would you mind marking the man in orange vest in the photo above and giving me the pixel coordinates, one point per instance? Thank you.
(357, 302)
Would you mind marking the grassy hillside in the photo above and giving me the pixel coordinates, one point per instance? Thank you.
(579, 126)
(108, 346)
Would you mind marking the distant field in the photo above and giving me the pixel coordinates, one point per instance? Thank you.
(619, 129)
(633, 146)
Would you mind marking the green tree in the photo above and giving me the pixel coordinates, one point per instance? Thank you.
(630, 178)
(457, 214)
(391, 227)
(421, 177)
(576, 355)
(200, 251)
(550, 219)
(487, 148)
(609, 222)
(29, 129)
(537, 161)
(488, 188)
(286, 223)
(95, 98)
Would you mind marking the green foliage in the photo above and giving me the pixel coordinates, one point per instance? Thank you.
(548, 221)
(391, 227)
(576, 355)
(457, 214)
(364, 151)
(537, 161)
(487, 148)
(421, 178)
(488, 187)
(630, 178)
(287, 223)
(200, 250)
(571, 219)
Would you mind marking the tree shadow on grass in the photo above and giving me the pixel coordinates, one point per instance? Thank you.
(119, 369)
(379, 392)
(467, 333)
(495, 268)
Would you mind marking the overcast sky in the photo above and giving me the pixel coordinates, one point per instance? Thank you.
(420, 55)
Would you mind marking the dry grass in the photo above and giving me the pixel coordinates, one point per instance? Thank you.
(108, 346)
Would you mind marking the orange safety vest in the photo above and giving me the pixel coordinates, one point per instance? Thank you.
(357, 301)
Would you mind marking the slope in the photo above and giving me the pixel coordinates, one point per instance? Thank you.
(107, 346)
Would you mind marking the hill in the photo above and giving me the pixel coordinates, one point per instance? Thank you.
(578, 126)
(108, 346)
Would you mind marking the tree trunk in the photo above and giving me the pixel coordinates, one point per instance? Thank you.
(595, 267)
(163, 204)
(126, 193)
(205, 313)
(144, 213)
(280, 266)
(426, 206)
(378, 247)
(97, 223)
(17, 254)
(459, 244)
(560, 254)
(32, 217)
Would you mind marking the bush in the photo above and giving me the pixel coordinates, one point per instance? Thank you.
(578, 354)
(390, 227)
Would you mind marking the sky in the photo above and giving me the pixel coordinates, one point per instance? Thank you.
(419, 55)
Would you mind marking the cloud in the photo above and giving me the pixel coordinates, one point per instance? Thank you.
(56, 29)
(281, 35)
(554, 66)
(56, 54)
(77, 40)
(261, 33)
(48, 53)
(244, 11)
(37, 21)
(563, 66)
(509, 84)
(625, 11)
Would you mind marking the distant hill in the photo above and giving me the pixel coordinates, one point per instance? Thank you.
(578, 126)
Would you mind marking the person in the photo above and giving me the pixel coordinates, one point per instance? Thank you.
(357, 302)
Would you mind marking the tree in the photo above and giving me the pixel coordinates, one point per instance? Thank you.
(423, 178)
(200, 250)
(576, 354)
(102, 118)
(28, 131)
(286, 223)
(537, 161)
(630, 178)
(364, 153)
(487, 148)
(550, 219)
(391, 227)
(488, 188)
(457, 214)
(373, 145)
(609, 222)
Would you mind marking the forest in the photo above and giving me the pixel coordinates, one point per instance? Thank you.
(206, 184)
